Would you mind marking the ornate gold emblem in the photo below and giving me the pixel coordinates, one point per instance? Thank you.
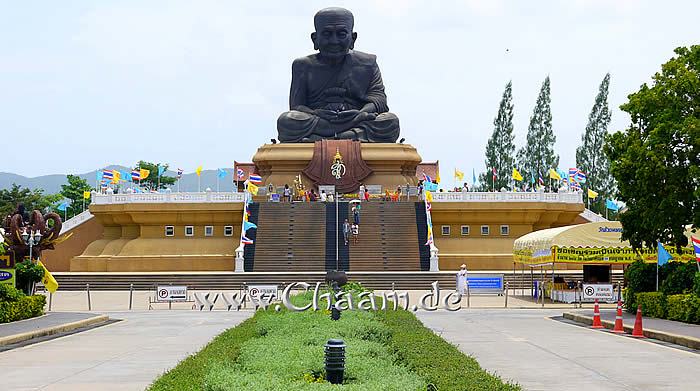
(338, 167)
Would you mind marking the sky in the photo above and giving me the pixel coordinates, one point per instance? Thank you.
(87, 84)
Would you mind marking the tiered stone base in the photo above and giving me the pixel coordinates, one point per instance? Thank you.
(392, 164)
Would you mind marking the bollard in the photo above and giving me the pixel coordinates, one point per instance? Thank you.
(468, 295)
(393, 286)
(335, 361)
(506, 306)
(542, 294)
(87, 289)
(131, 295)
(245, 294)
(50, 300)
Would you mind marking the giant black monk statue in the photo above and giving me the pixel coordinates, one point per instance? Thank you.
(337, 93)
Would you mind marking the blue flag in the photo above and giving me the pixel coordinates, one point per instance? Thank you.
(610, 204)
(161, 170)
(222, 173)
(473, 177)
(62, 206)
(429, 186)
(248, 225)
(126, 176)
(663, 255)
(98, 175)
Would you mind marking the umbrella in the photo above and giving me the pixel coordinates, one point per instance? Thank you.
(358, 201)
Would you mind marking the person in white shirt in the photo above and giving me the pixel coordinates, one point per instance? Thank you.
(462, 280)
(324, 197)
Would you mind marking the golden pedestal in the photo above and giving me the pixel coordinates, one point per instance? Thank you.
(392, 164)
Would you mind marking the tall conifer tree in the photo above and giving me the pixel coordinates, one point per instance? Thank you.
(590, 157)
(500, 147)
(537, 156)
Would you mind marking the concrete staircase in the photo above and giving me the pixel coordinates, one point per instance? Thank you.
(290, 237)
(388, 239)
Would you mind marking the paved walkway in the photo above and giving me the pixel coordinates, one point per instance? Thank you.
(51, 319)
(126, 355)
(669, 326)
(543, 354)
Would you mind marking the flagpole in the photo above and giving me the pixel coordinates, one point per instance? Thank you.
(217, 182)
(199, 183)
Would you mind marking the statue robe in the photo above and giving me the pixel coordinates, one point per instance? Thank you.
(348, 85)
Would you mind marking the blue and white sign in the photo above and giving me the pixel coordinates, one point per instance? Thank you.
(485, 283)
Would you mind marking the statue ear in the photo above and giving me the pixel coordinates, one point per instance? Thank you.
(354, 38)
(313, 39)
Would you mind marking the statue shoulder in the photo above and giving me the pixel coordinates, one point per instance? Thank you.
(362, 58)
(301, 63)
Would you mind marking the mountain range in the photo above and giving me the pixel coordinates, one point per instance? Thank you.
(51, 184)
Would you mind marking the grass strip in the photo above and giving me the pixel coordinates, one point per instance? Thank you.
(436, 360)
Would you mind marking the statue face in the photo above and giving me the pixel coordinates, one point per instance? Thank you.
(334, 39)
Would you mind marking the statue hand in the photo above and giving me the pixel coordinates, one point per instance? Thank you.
(364, 116)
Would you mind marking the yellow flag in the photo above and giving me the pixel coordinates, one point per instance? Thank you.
(592, 194)
(554, 174)
(144, 173)
(437, 175)
(86, 195)
(459, 175)
(516, 175)
(116, 176)
(48, 280)
(252, 189)
(198, 171)
(429, 196)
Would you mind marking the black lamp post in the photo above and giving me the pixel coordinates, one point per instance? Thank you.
(335, 361)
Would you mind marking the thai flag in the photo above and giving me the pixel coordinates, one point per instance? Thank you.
(493, 170)
(539, 179)
(245, 240)
(580, 177)
(107, 174)
(427, 178)
(136, 175)
(179, 173)
(240, 173)
(696, 246)
(575, 186)
(255, 179)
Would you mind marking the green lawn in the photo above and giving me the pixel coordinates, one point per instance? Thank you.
(284, 351)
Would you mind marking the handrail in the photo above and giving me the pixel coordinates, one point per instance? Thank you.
(75, 221)
(465, 196)
(157, 198)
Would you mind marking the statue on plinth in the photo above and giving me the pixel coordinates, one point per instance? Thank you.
(338, 92)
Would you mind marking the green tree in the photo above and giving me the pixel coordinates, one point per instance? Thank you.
(152, 181)
(537, 156)
(590, 157)
(73, 191)
(500, 147)
(656, 161)
(32, 199)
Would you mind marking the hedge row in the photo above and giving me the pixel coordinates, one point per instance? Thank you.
(438, 361)
(23, 308)
(684, 308)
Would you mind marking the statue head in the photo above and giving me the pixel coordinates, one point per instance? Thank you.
(333, 37)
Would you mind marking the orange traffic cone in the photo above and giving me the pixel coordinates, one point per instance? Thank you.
(596, 317)
(618, 319)
(638, 332)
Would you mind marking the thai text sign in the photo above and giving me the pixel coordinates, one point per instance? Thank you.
(603, 292)
(171, 293)
(490, 283)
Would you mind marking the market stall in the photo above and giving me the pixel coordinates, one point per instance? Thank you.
(596, 246)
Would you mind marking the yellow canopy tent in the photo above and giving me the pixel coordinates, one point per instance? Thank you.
(598, 243)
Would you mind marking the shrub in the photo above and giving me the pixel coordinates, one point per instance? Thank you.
(28, 272)
(641, 277)
(23, 308)
(10, 293)
(675, 309)
(679, 279)
(653, 304)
